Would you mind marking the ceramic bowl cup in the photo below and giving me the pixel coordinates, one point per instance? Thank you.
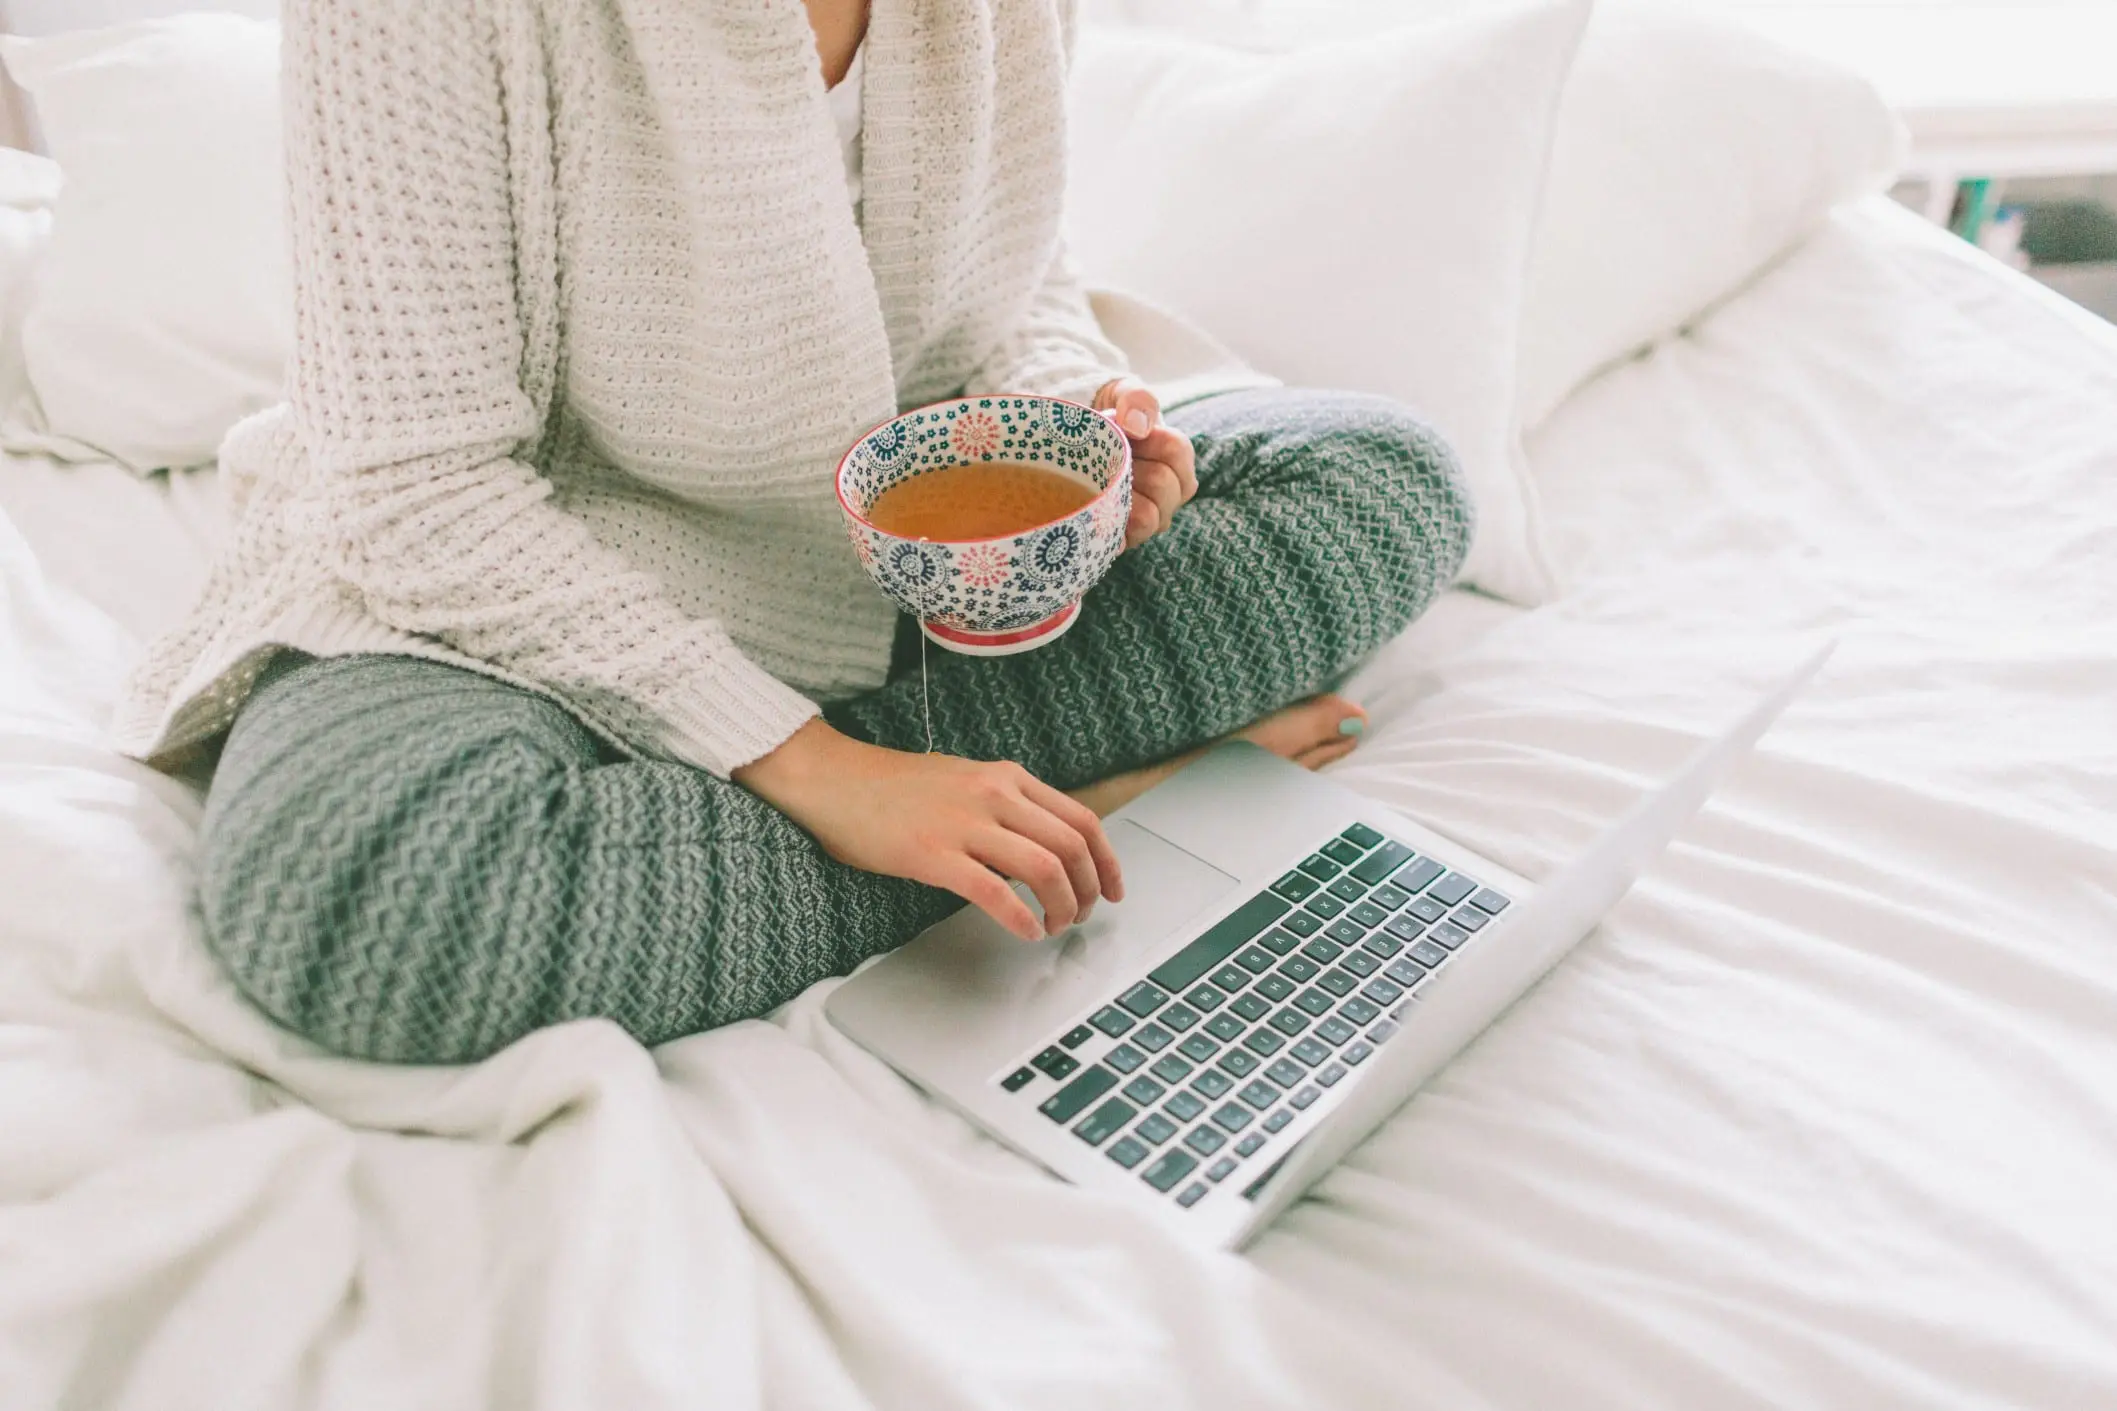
(992, 597)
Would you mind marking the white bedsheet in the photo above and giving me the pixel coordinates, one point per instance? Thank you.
(1826, 1115)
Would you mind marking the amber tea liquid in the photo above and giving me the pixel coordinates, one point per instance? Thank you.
(980, 501)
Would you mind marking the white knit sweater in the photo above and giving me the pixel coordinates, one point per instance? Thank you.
(585, 318)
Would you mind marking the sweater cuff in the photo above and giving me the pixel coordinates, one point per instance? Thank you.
(737, 712)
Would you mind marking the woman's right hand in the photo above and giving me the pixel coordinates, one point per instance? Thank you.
(959, 824)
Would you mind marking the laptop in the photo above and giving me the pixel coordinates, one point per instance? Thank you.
(1291, 963)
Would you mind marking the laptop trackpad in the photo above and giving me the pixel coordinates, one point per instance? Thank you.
(1164, 887)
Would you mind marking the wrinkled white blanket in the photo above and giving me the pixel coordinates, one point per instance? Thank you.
(1826, 1115)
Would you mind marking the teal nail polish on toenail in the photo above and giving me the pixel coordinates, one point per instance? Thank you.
(1352, 725)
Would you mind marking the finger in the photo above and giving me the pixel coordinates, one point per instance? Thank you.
(1044, 828)
(989, 893)
(1157, 482)
(1144, 523)
(1138, 411)
(1010, 853)
(1171, 448)
(1081, 818)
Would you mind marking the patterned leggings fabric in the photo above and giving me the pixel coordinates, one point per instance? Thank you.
(410, 862)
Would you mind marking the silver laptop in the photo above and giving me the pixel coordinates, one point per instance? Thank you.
(1292, 961)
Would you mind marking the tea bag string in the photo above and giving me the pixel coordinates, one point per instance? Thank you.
(926, 704)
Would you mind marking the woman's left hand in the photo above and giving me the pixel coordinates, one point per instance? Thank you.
(1164, 472)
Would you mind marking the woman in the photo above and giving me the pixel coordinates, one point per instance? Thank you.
(539, 579)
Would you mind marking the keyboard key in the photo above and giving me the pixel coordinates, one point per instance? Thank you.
(1225, 1027)
(1382, 1031)
(1295, 886)
(1368, 914)
(1278, 1120)
(1306, 1097)
(1330, 1076)
(1359, 1011)
(1112, 1020)
(1298, 968)
(1259, 1094)
(1172, 1167)
(1345, 931)
(1343, 851)
(1249, 1144)
(1489, 901)
(1451, 889)
(1197, 1047)
(1128, 1152)
(1337, 982)
(1361, 834)
(1234, 1116)
(1179, 1017)
(1273, 988)
(1383, 861)
(1382, 944)
(1447, 935)
(1222, 1169)
(1153, 1038)
(1389, 896)
(1213, 1083)
(1320, 867)
(1290, 1021)
(1335, 1031)
(1183, 1107)
(1358, 1053)
(1054, 1063)
(1077, 1035)
(1019, 1079)
(1469, 918)
(1426, 909)
(1287, 1073)
(1221, 940)
(1073, 1099)
(1313, 1053)
(1428, 954)
(1264, 1042)
(1406, 927)
(1279, 940)
(1231, 978)
(1348, 889)
(1192, 1194)
(1405, 971)
(1205, 1139)
(1171, 1069)
(1154, 1129)
(1239, 1062)
(1251, 1007)
(1106, 1121)
(1325, 905)
(1143, 1090)
(1124, 1058)
(1302, 924)
(1255, 959)
(1323, 950)
(1205, 997)
(1142, 999)
(1360, 963)
(1415, 877)
(1314, 1001)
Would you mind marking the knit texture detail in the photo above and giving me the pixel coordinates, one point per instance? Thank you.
(584, 319)
(408, 862)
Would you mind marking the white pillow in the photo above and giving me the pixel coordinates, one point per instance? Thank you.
(1349, 215)
(28, 186)
(165, 302)
(1691, 153)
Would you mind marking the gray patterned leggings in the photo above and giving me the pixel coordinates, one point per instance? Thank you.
(411, 862)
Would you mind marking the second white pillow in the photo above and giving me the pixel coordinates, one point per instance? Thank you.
(1354, 215)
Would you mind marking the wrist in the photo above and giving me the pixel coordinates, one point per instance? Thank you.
(802, 765)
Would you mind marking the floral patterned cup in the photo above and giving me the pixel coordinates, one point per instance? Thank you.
(992, 597)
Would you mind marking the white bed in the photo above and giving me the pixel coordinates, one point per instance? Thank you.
(1825, 1115)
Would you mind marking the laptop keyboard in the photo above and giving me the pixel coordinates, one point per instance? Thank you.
(1216, 1050)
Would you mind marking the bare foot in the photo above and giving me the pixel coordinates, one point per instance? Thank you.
(1311, 733)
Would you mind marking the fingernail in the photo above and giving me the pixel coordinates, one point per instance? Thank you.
(1136, 422)
(1352, 725)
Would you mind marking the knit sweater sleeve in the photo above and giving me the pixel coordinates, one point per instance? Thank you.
(1057, 349)
(415, 204)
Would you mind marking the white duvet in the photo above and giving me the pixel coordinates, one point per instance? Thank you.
(1826, 1114)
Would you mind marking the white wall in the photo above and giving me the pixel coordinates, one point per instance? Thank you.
(52, 16)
